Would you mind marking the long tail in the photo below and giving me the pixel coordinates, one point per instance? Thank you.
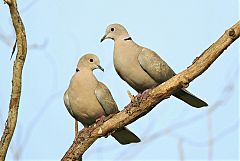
(125, 136)
(189, 98)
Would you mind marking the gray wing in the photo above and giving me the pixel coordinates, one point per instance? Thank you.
(67, 103)
(105, 99)
(156, 68)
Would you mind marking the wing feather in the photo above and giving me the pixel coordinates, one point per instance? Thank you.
(105, 99)
(155, 66)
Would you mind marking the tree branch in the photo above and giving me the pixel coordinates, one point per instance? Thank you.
(142, 106)
(16, 80)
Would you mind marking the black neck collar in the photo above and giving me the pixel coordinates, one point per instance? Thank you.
(77, 70)
(128, 38)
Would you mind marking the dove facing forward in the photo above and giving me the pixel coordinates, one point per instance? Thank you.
(141, 67)
(87, 99)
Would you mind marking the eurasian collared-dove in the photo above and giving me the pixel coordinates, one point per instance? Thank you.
(141, 67)
(87, 99)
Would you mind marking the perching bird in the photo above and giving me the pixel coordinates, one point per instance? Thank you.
(141, 67)
(87, 99)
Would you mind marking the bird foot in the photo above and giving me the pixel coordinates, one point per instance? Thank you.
(100, 119)
(75, 139)
(185, 82)
(145, 93)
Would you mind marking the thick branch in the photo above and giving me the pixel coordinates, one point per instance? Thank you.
(16, 80)
(141, 107)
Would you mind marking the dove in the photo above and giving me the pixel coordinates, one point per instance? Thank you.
(141, 67)
(88, 99)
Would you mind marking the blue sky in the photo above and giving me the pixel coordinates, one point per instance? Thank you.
(60, 32)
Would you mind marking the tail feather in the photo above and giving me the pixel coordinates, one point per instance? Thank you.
(189, 98)
(125, 136)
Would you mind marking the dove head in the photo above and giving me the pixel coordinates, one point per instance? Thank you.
(89, 61)
(115, 32)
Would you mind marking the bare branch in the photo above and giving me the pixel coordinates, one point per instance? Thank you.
(141, 107)
(16, 80)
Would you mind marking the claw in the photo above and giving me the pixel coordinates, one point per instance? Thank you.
(144, 94)
(100, 119)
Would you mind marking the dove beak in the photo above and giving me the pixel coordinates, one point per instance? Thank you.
(101, 68)
(103, 38)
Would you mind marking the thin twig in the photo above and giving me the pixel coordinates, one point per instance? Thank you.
(181, 149)
(16, 80)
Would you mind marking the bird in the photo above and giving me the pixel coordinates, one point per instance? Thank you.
(141, 67)
(88, 99)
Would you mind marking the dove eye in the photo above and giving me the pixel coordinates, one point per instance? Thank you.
(91, 60)
(112, 29)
